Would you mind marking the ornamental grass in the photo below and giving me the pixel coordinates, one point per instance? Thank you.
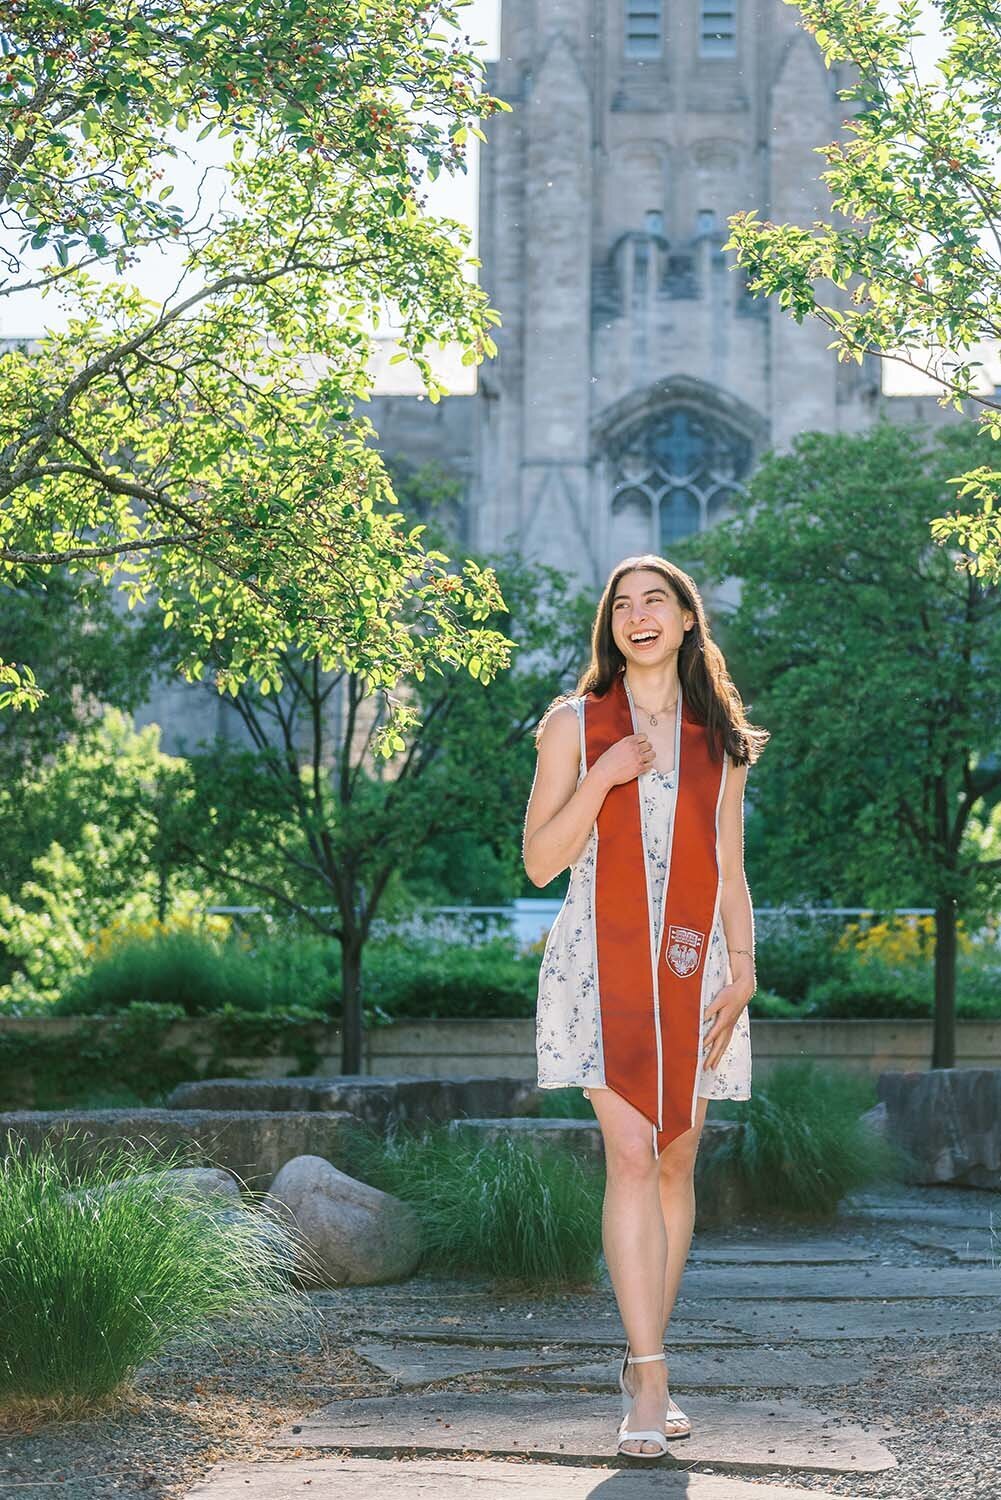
(528, 1219)
(101, 1270)
(802, 1143)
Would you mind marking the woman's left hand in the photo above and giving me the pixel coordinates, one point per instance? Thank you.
(722, 1012)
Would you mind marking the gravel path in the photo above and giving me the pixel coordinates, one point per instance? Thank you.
(192, 1410)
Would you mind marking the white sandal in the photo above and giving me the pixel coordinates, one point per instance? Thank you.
(650, 1434)
(674, 1415)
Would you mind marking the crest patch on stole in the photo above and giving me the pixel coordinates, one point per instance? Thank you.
(684, 949)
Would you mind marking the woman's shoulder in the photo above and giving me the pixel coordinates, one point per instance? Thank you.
(560, 720)
(564, 712)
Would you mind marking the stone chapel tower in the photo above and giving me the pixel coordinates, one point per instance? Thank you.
(635, 380)
(635, 383)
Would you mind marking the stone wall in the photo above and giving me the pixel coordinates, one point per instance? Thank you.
(505, 1048)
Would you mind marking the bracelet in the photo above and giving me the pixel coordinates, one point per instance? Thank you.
(741, 950)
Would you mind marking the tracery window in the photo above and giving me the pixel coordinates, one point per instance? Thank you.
(679, 468)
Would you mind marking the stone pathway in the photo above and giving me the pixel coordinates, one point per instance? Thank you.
(410, 1363)
(373, 1479)
(774, 1334)
(744, 1435)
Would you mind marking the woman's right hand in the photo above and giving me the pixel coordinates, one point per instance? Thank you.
(627, 758)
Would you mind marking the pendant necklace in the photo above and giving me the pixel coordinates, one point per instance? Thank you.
(663, 710)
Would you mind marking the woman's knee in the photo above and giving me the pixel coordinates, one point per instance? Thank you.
(677, 1160)
(629, 1154)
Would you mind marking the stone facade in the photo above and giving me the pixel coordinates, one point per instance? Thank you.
(634, 381)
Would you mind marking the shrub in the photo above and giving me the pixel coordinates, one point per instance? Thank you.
(772, 1007)
(204, 976)
(134, 1054)
(873, 987)
(180, 968)
(869, 970)
(873, 990)
(526, 1220)
(486, 979)
(801, 1144)
(792, 950)
(94, 1285)
(90, 821)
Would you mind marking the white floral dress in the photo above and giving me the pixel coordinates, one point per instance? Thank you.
(568, 1020)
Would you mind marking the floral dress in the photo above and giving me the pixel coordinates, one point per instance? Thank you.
(568, 1018)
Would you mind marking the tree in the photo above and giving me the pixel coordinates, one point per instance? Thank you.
(305, 821)
(83, 849)
(98, 653)
(878, 671)
(205, 451)
(916, 189)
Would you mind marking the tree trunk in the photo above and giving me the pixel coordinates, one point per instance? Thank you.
(162, 903)
(944, 1039)
(351, 1029)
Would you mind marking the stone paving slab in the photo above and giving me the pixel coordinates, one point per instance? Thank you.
(576, 1334)
(963, 1216)
(972, 1246)
(794, 1322)
(454, 1479)
(421, 1363)
(786, 1282)
(704, 1324)
(747, 1435)
(744, 1366)
(791, 1252)
(701, 1323)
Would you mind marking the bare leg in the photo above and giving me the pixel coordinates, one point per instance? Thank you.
(635, 1244)
(677, 1200)
(676, 1181)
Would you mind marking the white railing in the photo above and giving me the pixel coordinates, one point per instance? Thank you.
(529, 918)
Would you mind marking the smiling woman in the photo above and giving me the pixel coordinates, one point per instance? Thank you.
(639, 789)
(665, 839)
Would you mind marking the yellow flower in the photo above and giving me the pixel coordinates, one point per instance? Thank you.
(120, 931)
(898, 940)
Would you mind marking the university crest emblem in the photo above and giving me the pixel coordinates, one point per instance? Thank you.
(684, 949)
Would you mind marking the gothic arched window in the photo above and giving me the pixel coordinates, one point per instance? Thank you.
(681, 466)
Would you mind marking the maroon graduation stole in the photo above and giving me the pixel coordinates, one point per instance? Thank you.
(651, 1004)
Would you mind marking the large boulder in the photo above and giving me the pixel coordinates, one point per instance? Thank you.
(182, 1182)
(355, 1235)
(250, 1144)
(378, 1101)
(948, 1121)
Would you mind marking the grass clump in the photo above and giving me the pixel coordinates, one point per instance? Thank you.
(101, 1270)
(802, 1144)
(526, 1219)
(564, 1104)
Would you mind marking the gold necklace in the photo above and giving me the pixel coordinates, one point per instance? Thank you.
(663, 710)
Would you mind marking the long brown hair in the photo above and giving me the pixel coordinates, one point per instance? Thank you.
(706, 684)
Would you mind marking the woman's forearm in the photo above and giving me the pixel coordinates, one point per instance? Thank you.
(559, 842)
(738, 927)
